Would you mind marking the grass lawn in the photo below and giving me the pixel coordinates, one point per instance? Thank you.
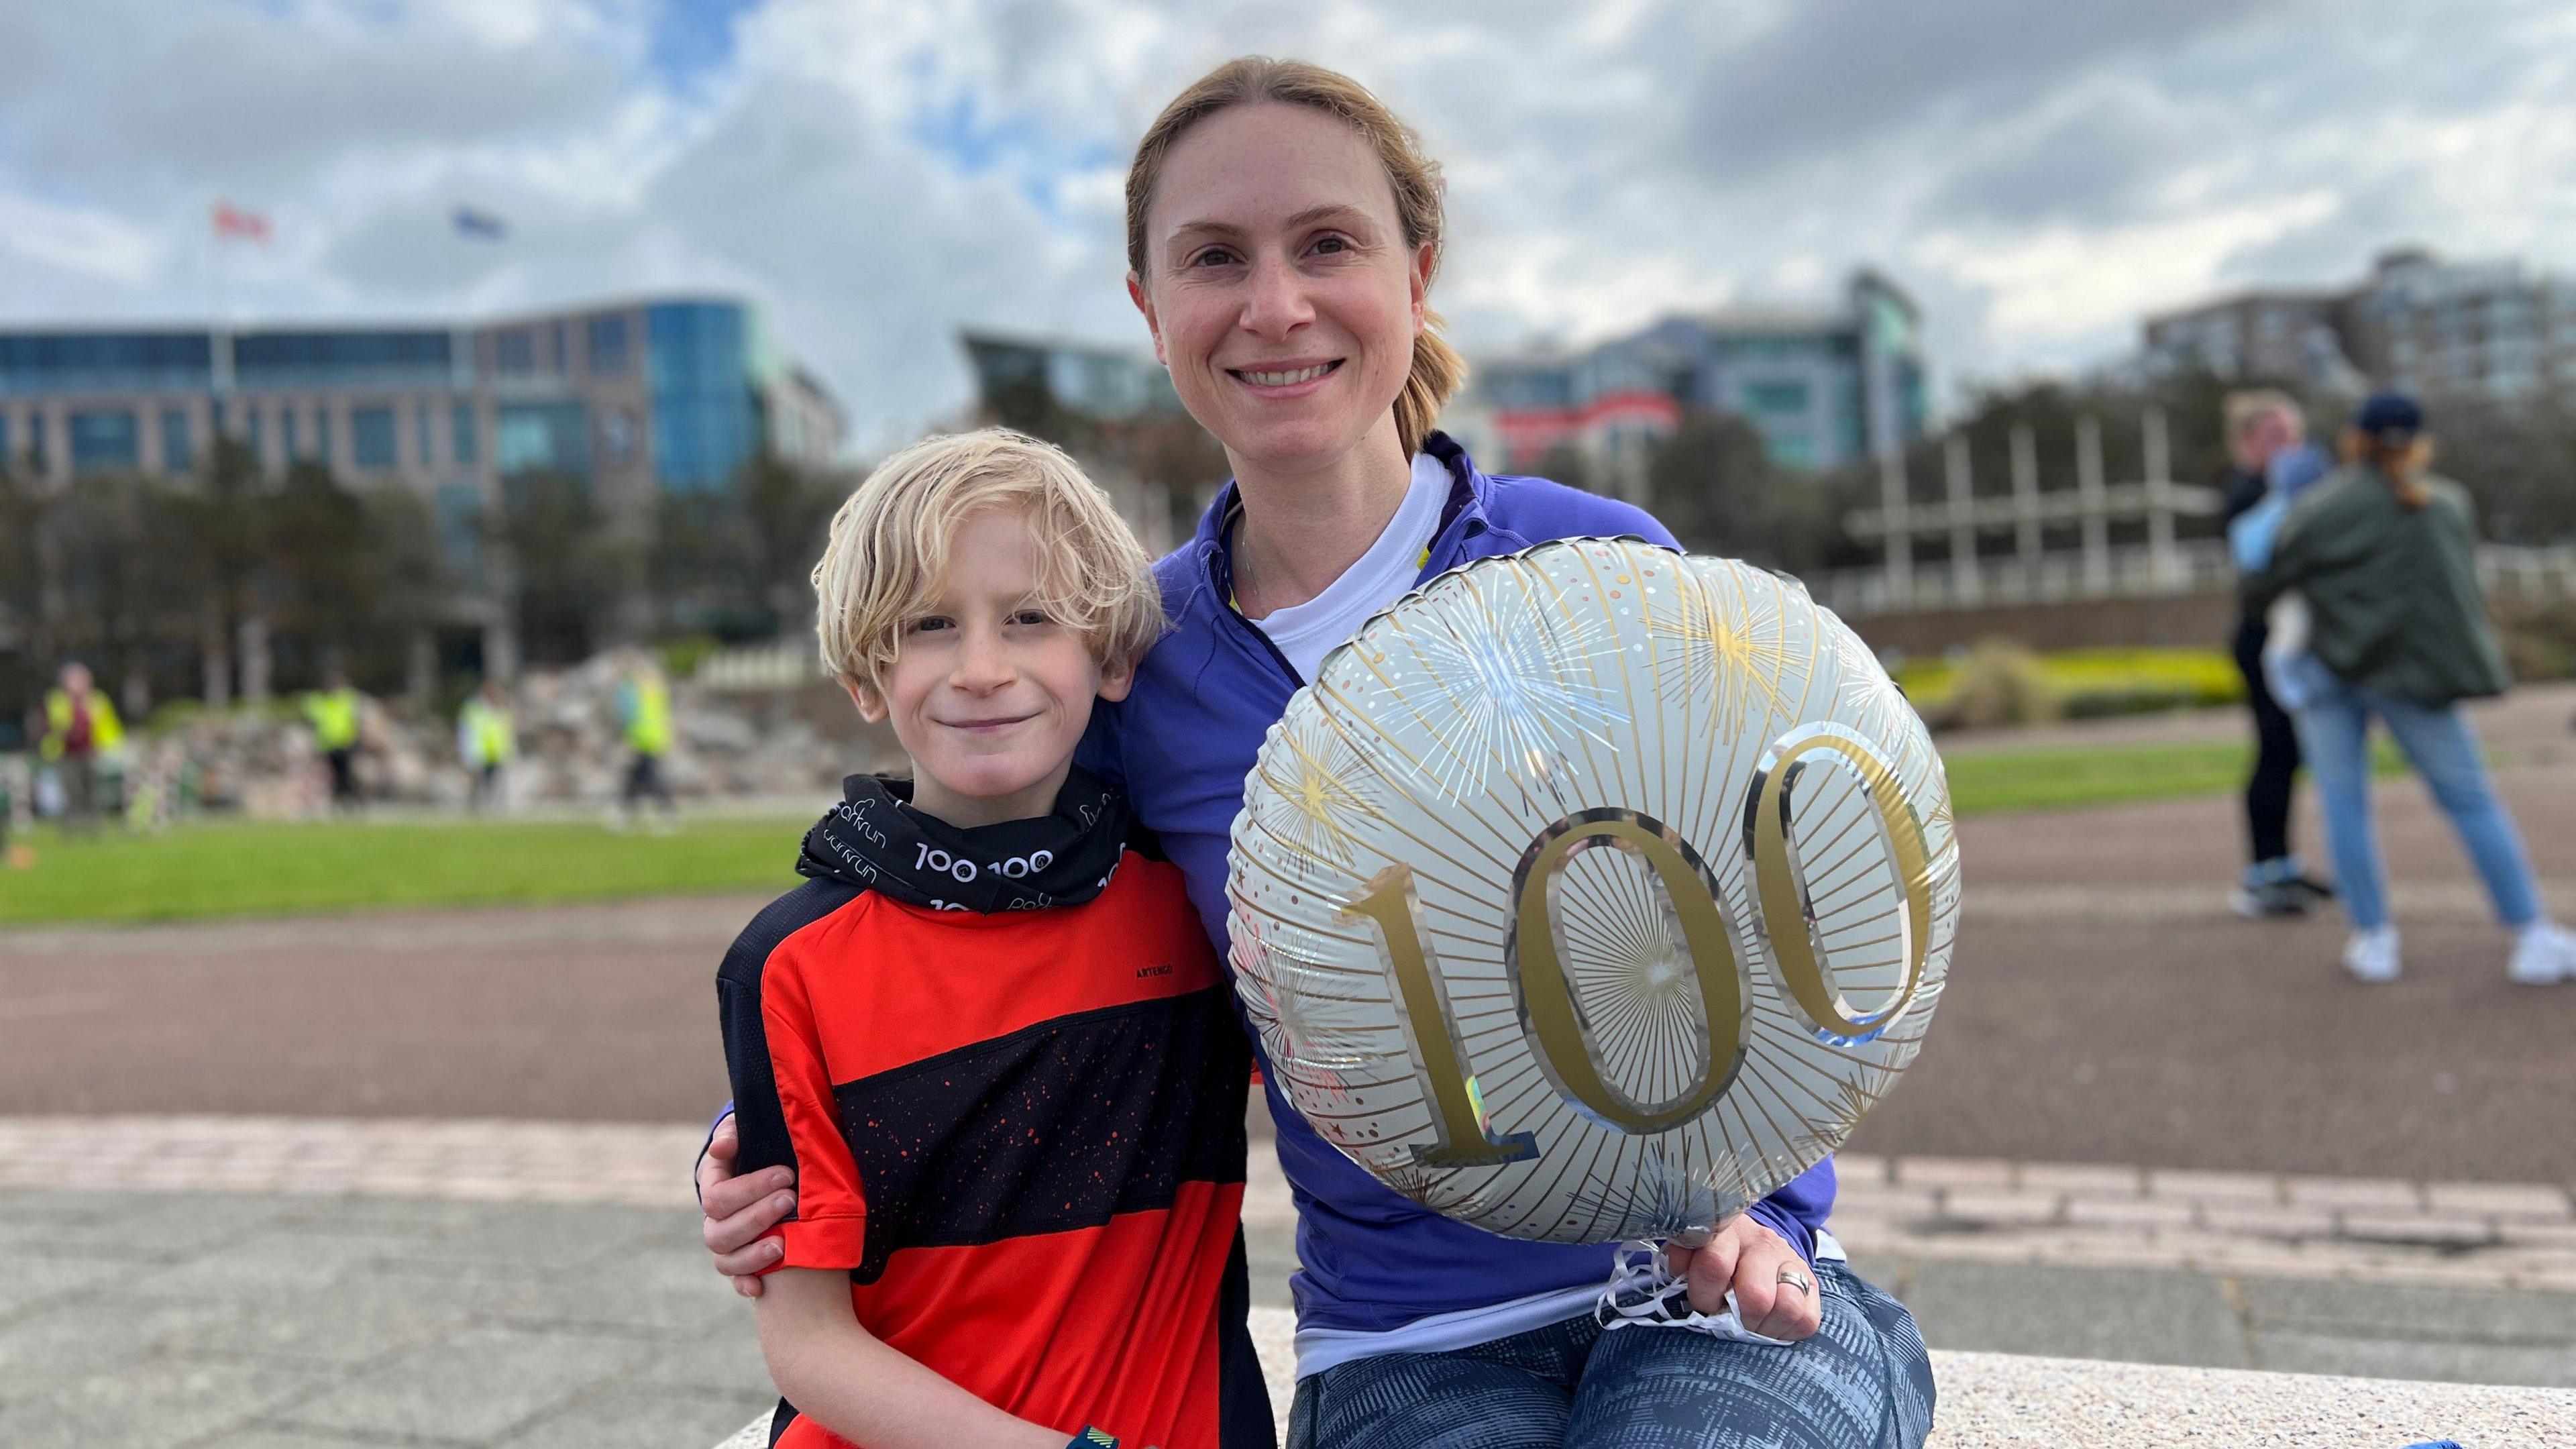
(1986, 784)
(239, 868)
(232, 868)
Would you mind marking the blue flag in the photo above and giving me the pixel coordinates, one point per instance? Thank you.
(480, 225)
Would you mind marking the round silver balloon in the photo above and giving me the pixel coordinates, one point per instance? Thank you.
(1593, 892)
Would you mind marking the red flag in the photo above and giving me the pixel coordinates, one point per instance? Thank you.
(234, 224)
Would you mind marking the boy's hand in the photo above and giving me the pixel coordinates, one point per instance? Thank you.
(740, 1209)
(1775, 1289)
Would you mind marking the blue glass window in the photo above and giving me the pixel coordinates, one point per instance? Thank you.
(284, 359)
(608, 355)
(37, 461)
(460, 530)
(543, 438)
(105, 361)
(7, 463)
(563, 349)
(371, 437)
(178, 451)
(465, 445)
(705, 413)
(1776, 397)
(104, 441)
(421, 431)
(325, 436)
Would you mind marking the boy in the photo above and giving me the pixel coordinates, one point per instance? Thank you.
(987, 1033)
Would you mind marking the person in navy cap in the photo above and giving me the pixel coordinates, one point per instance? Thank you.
(2385, 554)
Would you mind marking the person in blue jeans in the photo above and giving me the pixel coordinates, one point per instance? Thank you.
(2385, 555)
(1284, 230)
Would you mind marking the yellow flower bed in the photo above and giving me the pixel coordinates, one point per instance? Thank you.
(2099, 681)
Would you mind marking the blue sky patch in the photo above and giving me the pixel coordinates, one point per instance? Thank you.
(693, 39)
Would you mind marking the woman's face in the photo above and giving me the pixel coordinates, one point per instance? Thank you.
(1279, 288)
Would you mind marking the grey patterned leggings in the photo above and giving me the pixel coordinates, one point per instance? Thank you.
(1862, 1382)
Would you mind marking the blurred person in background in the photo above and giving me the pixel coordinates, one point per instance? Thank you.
(644, 721)
(2274, 461)
(333, 711)
(486, 739)
(1283, 232)
(2385, 554)
(80, 726)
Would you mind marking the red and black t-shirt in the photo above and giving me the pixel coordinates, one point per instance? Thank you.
(1008, 1072)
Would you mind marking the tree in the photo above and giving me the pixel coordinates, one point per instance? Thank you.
(321, 554)
(788, 511)
(567, 567)
(1712, 482)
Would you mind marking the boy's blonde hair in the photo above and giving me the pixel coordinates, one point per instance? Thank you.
(888, 556)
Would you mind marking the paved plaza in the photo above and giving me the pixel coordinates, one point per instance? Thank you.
(421, 1178)
(299, 1283)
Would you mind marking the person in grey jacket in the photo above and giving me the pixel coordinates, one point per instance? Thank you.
(2386, 555)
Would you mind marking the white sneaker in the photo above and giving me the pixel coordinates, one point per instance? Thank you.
(2372, 955)
(2544, 954)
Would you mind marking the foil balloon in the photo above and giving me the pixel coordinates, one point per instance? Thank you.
(1593, 892)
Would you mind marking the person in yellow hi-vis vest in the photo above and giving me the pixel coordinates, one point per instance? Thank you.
(333, 711)
(644, 718)
(80, 726)
(486, 739)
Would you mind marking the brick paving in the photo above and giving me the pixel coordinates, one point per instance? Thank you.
(2508, 1236)
(286, 1283)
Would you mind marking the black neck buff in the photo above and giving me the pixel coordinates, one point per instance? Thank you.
(874, 839)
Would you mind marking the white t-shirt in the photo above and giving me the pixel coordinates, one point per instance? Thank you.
(1306, 632)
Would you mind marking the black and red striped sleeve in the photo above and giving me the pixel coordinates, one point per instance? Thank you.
(782, 1090)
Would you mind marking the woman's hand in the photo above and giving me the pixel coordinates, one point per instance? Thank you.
(740, 1209)
(1775, 1289)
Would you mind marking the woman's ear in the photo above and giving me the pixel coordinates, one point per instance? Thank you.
(870, 705)
(1426, 260)
(1145, 303)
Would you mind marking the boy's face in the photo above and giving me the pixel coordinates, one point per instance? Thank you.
(987, 694)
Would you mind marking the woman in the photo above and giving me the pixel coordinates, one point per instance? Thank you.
(1284, 230)
(2386, 556)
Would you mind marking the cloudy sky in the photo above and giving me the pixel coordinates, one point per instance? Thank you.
(877, 174)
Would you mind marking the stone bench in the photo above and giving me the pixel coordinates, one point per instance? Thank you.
(1993, 1400)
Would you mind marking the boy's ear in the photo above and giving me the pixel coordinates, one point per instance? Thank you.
(870, 706)
(1116, 679)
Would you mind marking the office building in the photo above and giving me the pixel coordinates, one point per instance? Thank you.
(634, 398)
(1825, 387)
(2487, 329)
(1114, 410)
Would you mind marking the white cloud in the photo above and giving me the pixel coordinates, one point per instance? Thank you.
(879, 173)
(75, 239)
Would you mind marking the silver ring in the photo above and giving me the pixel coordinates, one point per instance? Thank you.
(1791, 1277)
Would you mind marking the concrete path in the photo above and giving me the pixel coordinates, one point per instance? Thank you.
(225, 1283)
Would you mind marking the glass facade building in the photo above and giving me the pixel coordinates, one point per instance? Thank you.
(633, 399)
(1824, 388)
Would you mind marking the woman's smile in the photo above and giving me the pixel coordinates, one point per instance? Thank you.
(1282, 381)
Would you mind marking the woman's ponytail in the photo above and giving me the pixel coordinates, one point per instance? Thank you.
(1437, 374)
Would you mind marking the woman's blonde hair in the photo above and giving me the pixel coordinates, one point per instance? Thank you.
(888, 556)
(1438, 370)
